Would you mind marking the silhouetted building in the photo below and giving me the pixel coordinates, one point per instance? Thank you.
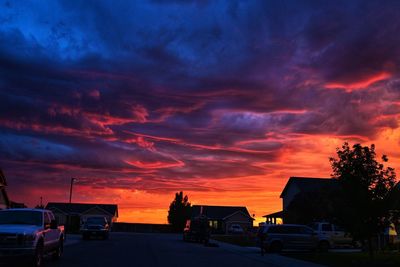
(16, 205)
(295, 186)
(221, 218)
(73, 214)
(4, 201)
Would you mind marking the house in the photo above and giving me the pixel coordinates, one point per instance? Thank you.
(293, 187)
(4, 201)
(73, 214)
(220, 218)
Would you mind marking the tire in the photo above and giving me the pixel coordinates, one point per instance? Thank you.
(275, 247)
(59, 250)
(37, 260)
(105, 237)
(323, 246)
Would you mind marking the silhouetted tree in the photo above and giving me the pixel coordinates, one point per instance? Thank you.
(365, 184)
(179, 211)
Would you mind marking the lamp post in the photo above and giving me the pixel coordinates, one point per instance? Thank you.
(70, 189)
(70, 201)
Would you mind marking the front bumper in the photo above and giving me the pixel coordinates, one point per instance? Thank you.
(15, 252)
(94, 232)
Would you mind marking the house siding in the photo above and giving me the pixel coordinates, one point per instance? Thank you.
(289, 195)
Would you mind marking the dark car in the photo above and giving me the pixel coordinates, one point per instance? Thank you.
(288, 236)
(197, 229)
(95, 226)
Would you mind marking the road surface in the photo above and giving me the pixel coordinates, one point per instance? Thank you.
(161, 250)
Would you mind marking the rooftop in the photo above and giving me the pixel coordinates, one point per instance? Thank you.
(219, 212)
(80, 208)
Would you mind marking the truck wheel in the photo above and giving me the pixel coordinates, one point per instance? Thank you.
(105, 237)
(59, 250)
(323, 246)
(38, 257)
(276, 247)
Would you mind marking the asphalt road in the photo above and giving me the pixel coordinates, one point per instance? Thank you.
(125, 249)
(164, 250)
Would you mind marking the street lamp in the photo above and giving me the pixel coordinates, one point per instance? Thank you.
(70, 189)
(69, 212)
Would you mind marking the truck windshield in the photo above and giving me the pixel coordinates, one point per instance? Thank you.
(95, 221)
(21, 217)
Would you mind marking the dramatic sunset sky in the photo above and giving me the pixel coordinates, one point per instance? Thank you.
(224, 100)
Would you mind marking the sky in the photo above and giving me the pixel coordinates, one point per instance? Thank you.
(223, 100)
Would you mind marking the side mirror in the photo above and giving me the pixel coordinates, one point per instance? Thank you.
(53, 224)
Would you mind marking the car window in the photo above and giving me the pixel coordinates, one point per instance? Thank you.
(306, 230)
(339, 228)
(47, 219)
(314, 226)
(295, 230)
(327, 227)
(274, 229)
(51, 216)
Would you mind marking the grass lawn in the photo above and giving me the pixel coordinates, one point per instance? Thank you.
(348, 259)
(239, 240)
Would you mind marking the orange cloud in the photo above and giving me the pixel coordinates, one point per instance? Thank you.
(359, 84)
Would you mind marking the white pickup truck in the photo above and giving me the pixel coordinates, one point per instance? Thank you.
(29, 234)
(331, 236)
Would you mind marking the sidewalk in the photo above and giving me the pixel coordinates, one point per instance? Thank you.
(273, 260)
(72, 239)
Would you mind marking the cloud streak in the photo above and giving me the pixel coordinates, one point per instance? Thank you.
(224, 99)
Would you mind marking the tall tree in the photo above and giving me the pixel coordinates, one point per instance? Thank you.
(365, 185)
(179, 211)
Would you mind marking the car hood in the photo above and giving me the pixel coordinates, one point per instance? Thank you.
(18, 229)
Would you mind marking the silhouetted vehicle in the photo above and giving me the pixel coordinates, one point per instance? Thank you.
(29, 234)
(197, 230)
(331, 235)
(235, 229)
(95, 226)
(287, 236)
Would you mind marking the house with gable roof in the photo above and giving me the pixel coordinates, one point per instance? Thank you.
(220, 218)
(295, 186)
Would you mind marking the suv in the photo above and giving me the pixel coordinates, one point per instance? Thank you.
(276, 237)
(197, 229)
(95, 226)
(331, 235)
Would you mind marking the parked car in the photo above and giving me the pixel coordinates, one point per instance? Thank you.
(235, 229)
(277, 237)
(197, 230)
(29, 234)
(331, 236)
(95, 226)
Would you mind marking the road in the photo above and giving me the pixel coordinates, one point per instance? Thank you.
(163, 250)
(125, 249)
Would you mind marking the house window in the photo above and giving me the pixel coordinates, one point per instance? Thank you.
(213, 224)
